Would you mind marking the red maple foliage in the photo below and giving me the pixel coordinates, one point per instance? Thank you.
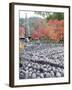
(54, 31)
(39, 33)
(21, 31)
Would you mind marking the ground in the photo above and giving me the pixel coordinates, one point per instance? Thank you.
(42, 61)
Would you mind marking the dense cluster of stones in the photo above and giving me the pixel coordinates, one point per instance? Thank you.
(42, 61)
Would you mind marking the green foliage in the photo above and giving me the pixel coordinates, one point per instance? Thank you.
(54, 16)
(61, 41)
(44, 14)
(21, 21)
(51, 15)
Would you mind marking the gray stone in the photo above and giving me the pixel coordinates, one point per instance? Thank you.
(33, 75)
(62, 73)
(34, 70)
(21, 75)
(22, 71)
(38, 66)
(29, 74)
(49, 69)
(35, 66)
(54, 69)
(45, 69)
(45, 53)
(59, 69)
(35, 57)
(30, 69)
(45, 66)
(42, 75)
(52, 73)
(48, 66)
(26, 68)
(58, 74)
(48, 75)
(29, 65)
(38, 77)
(38, 73)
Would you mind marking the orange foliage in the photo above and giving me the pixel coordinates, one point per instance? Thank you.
(56, 30)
